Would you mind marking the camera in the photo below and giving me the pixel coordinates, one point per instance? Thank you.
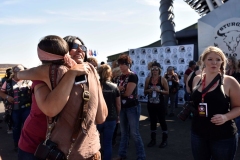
(187, 109)
(49, 151)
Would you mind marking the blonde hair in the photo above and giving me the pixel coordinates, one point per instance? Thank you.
(116, 72)
(105, 73)
(219, 52)
(150, 65)
(203, 56)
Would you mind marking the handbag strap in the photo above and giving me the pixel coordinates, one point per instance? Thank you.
(81, 118)
(53, 70)
(82, 114)
(211, 83)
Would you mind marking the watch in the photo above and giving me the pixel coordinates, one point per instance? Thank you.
(161, 91)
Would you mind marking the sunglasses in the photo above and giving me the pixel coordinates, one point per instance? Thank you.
(82, 47)
(154, 69)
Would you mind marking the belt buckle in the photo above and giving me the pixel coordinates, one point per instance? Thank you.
(86, 95)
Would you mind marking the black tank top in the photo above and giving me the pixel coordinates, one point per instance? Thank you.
(217, 103)
(159, 97)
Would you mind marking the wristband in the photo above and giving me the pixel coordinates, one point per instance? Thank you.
(7, 97)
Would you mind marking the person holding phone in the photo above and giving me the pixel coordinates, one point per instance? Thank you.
(173, 84)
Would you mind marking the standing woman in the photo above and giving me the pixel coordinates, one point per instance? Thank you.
(112, 98)
(173, 84)
(233, 68)
(130, 109)
(155, 87)
(214, 133)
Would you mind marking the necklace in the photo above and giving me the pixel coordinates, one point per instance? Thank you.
(154, 81)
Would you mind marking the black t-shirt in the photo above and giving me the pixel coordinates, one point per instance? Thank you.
(110, 93)
(131, 100)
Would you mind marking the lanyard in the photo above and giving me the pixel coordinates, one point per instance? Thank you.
(203, 86)
(154, 82)
(123, 79)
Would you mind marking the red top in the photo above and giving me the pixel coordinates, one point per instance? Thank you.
(35, 127)
(188, 71)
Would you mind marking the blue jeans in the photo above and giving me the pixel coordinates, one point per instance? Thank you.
(206, 149)
(237, 121)
(106, 129)
(19, 116)
(129, 118)
(22, 155)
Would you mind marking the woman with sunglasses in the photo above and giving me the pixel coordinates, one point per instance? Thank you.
(62, 100)
(156, 87)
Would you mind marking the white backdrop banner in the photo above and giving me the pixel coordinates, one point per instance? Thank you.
(176, 56)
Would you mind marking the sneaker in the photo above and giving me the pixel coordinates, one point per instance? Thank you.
(9, 131)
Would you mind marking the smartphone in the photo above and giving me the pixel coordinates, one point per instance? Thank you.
(80, 79)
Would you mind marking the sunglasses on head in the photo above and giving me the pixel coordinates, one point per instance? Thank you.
(82, 47)
(154, 69)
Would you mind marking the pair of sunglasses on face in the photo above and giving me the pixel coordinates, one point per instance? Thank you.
(154, 69)
(82, 47)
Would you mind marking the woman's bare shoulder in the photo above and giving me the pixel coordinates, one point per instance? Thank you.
(229, 80)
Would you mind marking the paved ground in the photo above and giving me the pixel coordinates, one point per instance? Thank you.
(178, 143)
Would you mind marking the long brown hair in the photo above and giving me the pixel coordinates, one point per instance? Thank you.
(105, 73)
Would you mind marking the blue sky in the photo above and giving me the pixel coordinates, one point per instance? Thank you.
(108, 26)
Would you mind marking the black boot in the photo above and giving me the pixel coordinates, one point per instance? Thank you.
(164, 140)
(153, 140)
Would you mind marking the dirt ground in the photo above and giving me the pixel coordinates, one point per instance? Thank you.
(178, 142)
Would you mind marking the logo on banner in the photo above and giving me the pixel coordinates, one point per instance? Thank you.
(143, 51)
(155, 51)
(167, 62)
(142, 62)
(167, 50)
(132, 52)
(227, 36)
(181, 49)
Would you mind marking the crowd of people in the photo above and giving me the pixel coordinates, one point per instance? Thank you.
(70, 107)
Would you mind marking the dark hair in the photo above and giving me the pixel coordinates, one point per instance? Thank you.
(156, 64)
(54, 45)
(102, 62)
(191, 63)
(8, 73)
(124, 59)
(70, 40)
